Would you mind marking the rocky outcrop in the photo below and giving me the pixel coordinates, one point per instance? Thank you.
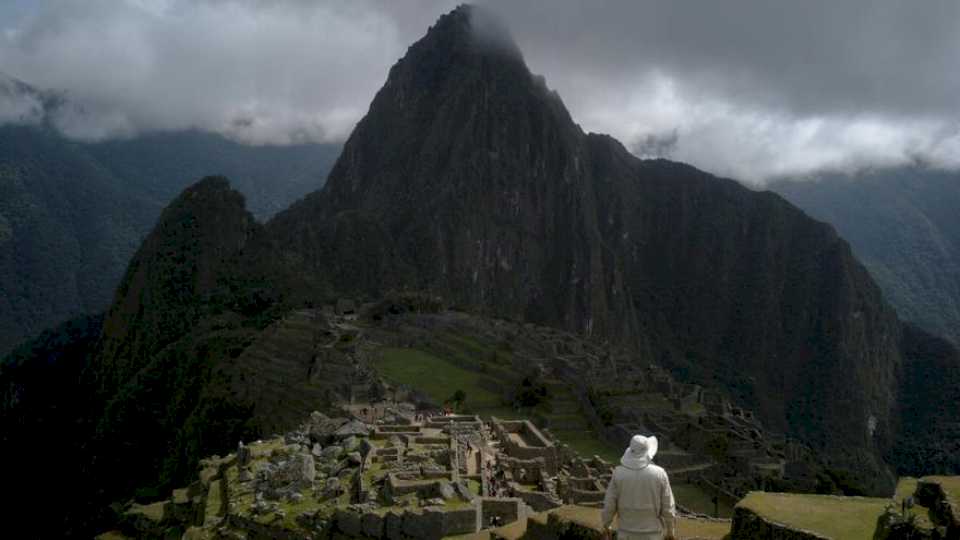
(942, 496)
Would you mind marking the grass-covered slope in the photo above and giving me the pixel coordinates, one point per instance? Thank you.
(847, 518)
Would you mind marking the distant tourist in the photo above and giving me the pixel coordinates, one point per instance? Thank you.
(639, 494)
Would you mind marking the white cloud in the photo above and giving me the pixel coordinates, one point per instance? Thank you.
(18, 105)
(258, 71)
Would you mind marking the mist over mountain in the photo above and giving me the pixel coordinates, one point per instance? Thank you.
(72, 214)
(904, 225)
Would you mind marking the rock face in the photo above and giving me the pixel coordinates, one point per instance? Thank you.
(468, 178)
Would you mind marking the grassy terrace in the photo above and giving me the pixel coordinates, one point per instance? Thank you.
(439, 379)
(849, 518)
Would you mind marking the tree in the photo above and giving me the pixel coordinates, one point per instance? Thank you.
(458, 398)
(530, 393)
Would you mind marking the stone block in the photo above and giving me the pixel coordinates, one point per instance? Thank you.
(427, 524)
(348, 522)
(372, 524)
(393, 526)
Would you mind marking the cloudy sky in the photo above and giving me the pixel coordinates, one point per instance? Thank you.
(751, 89)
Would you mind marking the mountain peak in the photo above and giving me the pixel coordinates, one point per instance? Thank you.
(461, 94)
(475, 28)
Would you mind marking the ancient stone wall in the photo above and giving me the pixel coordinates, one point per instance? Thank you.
(506, 510)
(428, 523)
(538, 500)
(749, 525)
(534, 445)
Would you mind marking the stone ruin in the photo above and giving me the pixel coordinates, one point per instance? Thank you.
(406, 474)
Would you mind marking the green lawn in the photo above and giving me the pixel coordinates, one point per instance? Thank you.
(847, 518)
(439, 379)
(585, 444)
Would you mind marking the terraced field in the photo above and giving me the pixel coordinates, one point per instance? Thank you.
(849, 518)
(439, 379)
(440, 375)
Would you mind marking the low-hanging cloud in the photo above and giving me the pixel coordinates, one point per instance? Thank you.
(258, 71)
(753, 90)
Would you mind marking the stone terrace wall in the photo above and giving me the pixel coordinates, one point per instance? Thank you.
(747, 525)
(428, 523)
(946, 512)
(544, 448)
(508, 510)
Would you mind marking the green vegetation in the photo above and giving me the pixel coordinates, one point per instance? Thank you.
(457, 399)
(901, 223)
(154, 511)
(530, 393)
(437, 378)
(72, 215)
(474, 486)
(919, 514)
(850, 518)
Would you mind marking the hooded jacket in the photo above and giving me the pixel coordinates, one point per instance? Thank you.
(642, 498)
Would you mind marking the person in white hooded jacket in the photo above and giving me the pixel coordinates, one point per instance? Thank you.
(639, 495)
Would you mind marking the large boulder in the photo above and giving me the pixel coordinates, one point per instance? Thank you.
(353, 428)
(320, 428)
(292, 474)
(331, 452)
(446, 490)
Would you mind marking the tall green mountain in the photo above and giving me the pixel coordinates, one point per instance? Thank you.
(468, 179)
(904, 225)
(72, 214)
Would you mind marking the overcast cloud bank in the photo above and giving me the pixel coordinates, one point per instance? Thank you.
(749, 89)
